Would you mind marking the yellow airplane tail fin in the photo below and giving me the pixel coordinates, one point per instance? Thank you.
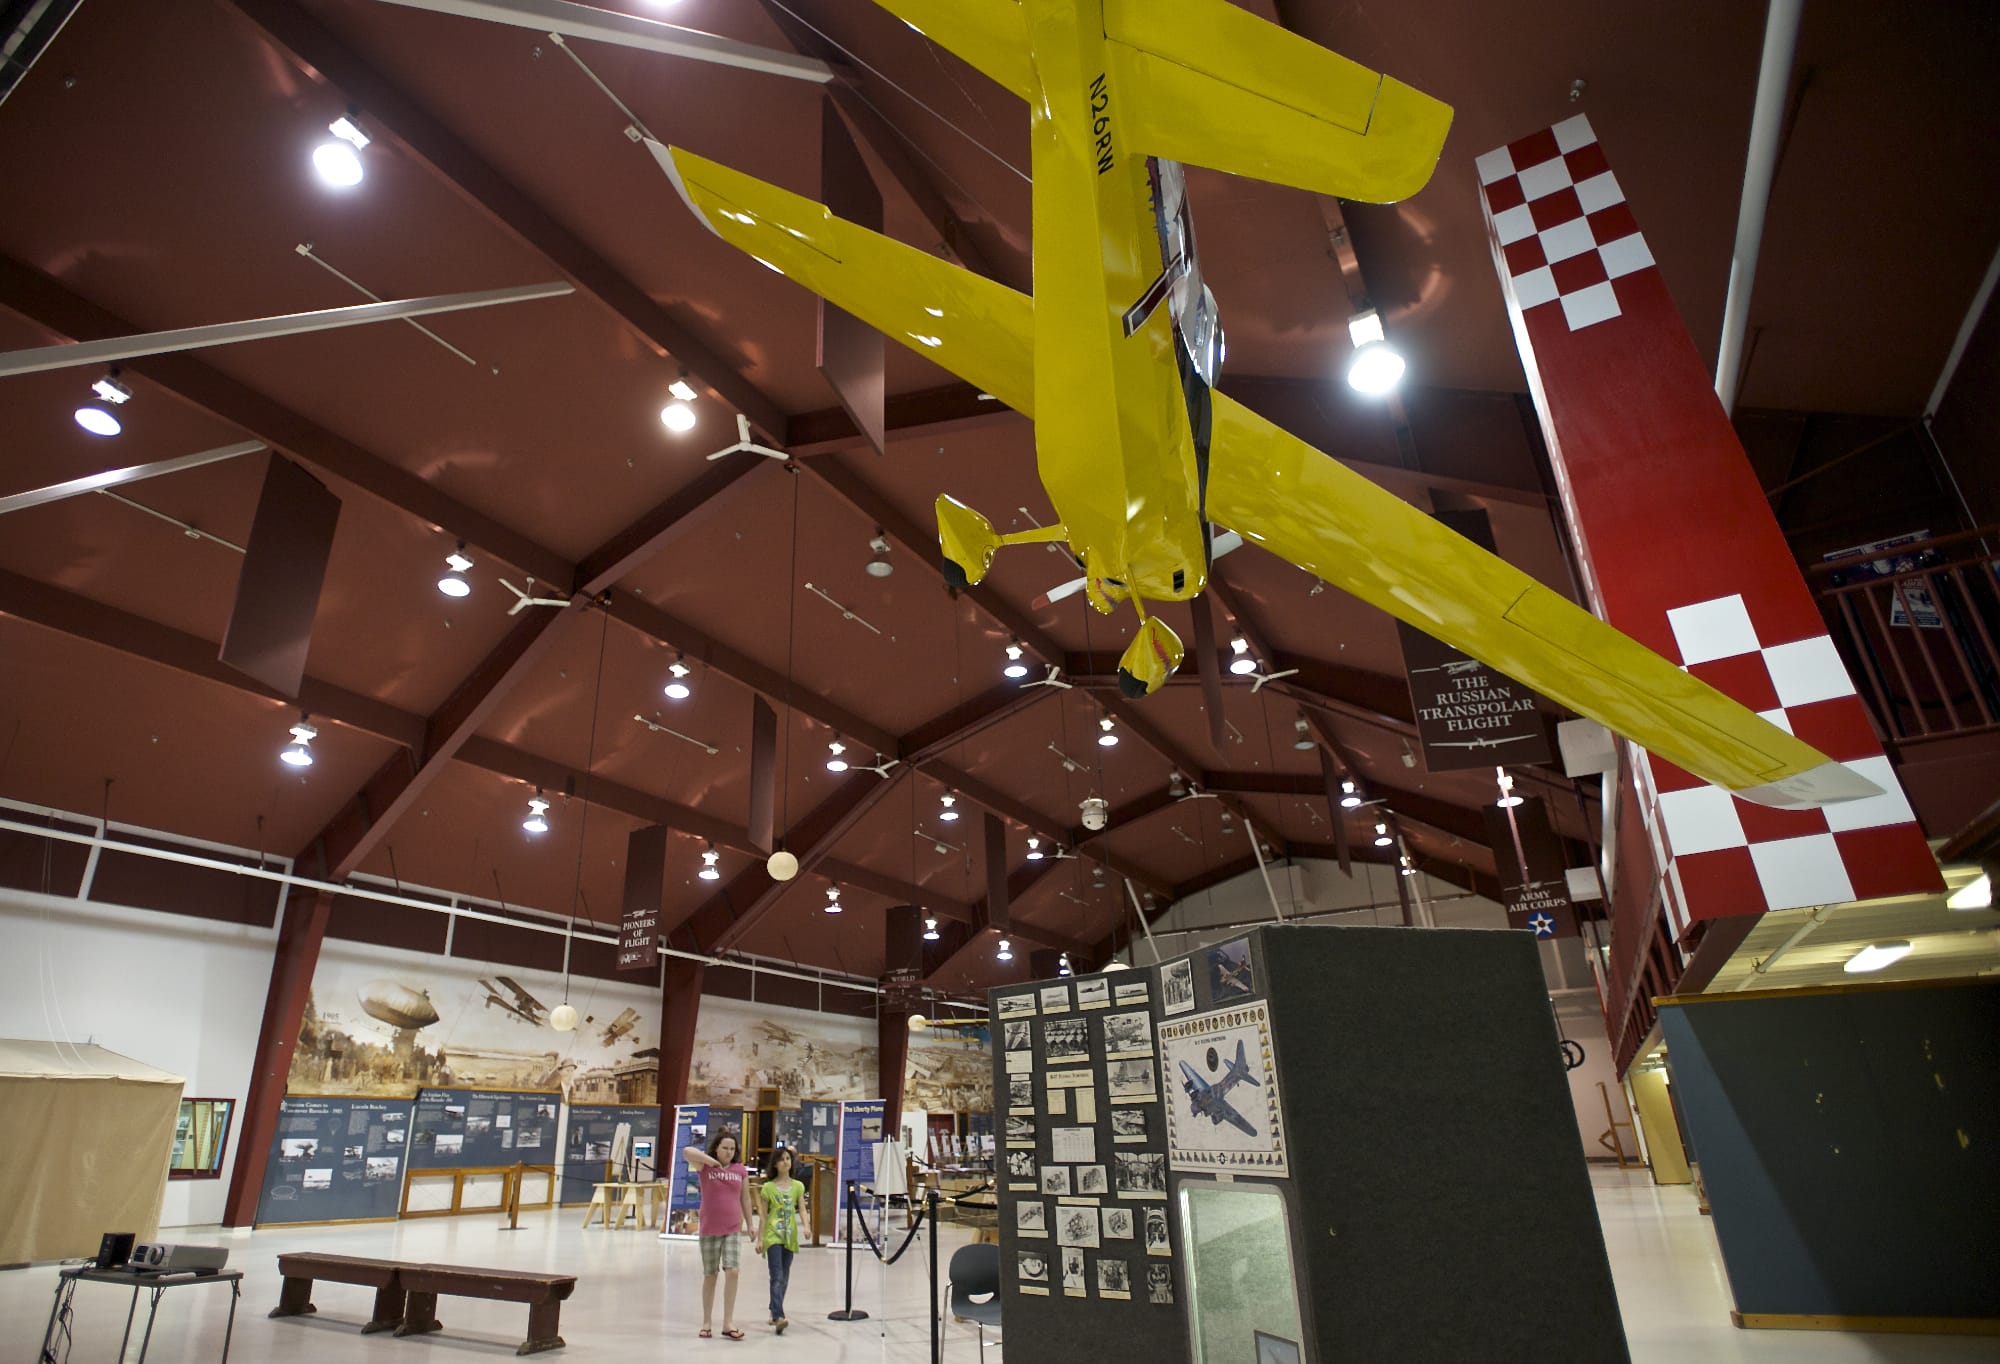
(968, 542)
(1207, 83)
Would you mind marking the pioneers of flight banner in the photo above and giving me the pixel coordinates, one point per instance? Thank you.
(1223, 1113)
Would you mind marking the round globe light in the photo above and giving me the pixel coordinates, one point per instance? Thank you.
(563, 1018)
(781, 865)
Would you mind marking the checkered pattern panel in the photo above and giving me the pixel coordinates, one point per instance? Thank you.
(1713, 843)
(1562, 222)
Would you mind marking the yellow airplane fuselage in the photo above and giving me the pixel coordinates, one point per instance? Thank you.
(1113, 440)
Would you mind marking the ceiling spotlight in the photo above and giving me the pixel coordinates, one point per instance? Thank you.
(1006, 952)
(930, 929)
(1062, 965)
(298, 753)
(1877, 955)
(834, 762)
(1349, 799)
(879, 566)
(339, 162)
(1376, 367)
(677, 688)
(1176, 784)
(1108, 739)
(1304, 743)
(1382, 839)
(682, 389)
(833, 899)
(709, 871)
(537, 821)
(98, 417)
(454, 583)
(1015, 667)
(1034, 849)
(1508, 800)
(1242, 664)
(947, 814)
(677, 417)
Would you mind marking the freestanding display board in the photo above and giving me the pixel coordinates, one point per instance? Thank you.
(861, 1131)
(684, 1197)
(335, 1159)
(483, 1128)
(590, 1133)
(1294, 1103)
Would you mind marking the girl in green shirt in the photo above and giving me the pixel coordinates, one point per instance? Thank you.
(782, 1197)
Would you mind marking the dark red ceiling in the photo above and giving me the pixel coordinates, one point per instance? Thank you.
(157, 159)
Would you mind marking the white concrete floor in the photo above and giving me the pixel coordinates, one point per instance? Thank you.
(639, 1298)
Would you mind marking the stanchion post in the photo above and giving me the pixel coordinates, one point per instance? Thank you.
(849, 1312)
(937, 1341)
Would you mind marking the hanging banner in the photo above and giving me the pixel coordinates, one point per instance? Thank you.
(1468, 715)
(1534, 881)
(645, 875)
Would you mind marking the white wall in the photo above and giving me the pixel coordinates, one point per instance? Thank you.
(183, 994)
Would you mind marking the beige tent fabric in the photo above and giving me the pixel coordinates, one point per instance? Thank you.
(84, 1150)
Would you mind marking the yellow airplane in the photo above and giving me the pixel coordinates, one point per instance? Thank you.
(1115, 356)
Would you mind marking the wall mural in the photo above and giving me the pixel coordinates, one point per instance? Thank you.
(383, 1024)
(386, 1024)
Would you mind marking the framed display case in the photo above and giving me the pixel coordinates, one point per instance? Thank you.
(201, 1138)
(1242, 1293)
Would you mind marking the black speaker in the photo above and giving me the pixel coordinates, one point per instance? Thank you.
(114, 1250)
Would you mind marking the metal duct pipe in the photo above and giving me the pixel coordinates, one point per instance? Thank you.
(1767, 124)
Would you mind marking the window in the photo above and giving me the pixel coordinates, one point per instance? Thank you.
(201, 1135)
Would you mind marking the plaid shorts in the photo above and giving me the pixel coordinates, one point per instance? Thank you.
(719, 1253)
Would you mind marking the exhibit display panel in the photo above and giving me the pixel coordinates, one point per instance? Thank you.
(590, 1147)
(1842, 1136)
(335, 1159)
(484, 1127)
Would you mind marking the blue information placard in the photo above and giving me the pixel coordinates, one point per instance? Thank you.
(590, 1137)
(335, 1159)
(860, 1133)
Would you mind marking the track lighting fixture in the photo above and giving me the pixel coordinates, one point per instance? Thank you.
(1242, 664)
(1062, 965)
(1304, 742)
(537, 821)
(879, 566)
(1015, 667)
(833, 899)
(930, 929)
(339, 161)
(1349, 798)
(298, 753)
(834, 762)
(1006, 952)
(454, 583)
(1034, 849)
(98, 418)
(947, 814)
(1377, 367)
(1382, 839)
(709, 871)
(1109, 738)
(1508, 800)
(677, 688)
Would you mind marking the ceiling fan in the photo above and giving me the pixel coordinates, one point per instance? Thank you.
(879, 769)
(1257, 679)
(1054, 678)
(1224, 542)
(526, 599)
(746, 445)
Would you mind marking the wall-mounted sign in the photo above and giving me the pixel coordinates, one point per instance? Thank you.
(335, 1159)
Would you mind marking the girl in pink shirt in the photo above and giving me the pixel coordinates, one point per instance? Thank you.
(726, 1214)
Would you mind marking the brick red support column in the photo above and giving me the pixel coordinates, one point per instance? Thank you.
(680, 1010)
(299, 937)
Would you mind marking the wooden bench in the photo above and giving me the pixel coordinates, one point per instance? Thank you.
(406, 1294)
(544, 1294)
(300, 1269)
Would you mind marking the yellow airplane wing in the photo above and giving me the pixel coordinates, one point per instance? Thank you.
(979, 330)
(1280, 492)
(1208, 83)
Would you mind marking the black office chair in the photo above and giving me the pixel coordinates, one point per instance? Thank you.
(972, 1289)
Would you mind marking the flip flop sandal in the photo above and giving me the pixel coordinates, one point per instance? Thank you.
(706, 1334)
(781, 1325)
(733, 1334)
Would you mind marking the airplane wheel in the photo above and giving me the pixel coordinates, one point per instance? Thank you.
(1130, 687)
(954, 575)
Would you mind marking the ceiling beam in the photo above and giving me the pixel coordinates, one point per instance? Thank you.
(990, 798)
(964, 942)
(925, 414)
(391, 112)
(48, 304)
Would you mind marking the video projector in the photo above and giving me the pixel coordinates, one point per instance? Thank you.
(162, 1258)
